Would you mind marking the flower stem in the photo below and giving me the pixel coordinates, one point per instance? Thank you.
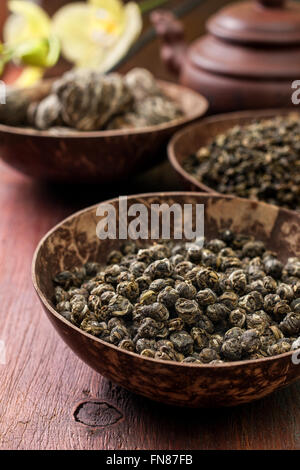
(148, 5)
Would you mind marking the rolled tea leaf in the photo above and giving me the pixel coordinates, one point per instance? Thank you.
(14, 111)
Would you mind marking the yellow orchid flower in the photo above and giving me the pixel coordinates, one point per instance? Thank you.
(97, 33)
(27, 21)
(29, 40)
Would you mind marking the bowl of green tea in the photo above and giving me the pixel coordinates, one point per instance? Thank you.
(88, 126)
(253, 154)
(215, 321)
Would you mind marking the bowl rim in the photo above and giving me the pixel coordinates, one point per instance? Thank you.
(251, 114)
(76, 134)
(174, 364)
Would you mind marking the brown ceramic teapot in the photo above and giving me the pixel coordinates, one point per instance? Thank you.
(248, 59)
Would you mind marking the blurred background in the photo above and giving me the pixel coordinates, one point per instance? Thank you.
(146, 51)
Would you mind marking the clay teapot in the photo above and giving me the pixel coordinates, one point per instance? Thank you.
(248, 59)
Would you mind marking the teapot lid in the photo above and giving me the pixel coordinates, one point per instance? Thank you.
(258, 21)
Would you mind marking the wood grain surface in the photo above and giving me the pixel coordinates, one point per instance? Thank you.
(49, 399)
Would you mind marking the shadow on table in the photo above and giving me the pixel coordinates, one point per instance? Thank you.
(76, 197)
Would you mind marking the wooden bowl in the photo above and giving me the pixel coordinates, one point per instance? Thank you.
(99, 156)
(74, 242)
(188, 141)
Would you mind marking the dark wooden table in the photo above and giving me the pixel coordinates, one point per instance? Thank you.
(49, 399)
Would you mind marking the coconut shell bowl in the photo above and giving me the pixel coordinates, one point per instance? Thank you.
(188, 141)
(98, 156)
(74, 242)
